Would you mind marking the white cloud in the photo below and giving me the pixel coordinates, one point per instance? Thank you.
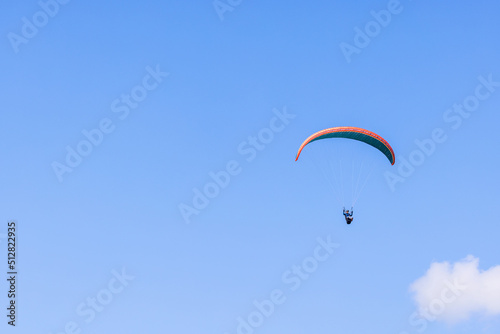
(453, 292)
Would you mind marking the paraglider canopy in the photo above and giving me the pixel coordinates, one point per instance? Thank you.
(355, 133)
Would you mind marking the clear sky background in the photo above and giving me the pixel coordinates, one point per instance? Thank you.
(118, 211)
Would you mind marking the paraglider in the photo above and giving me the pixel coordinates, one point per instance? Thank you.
(354, 133)
(348, 215)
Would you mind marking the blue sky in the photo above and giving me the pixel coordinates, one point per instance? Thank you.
(177, 91)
